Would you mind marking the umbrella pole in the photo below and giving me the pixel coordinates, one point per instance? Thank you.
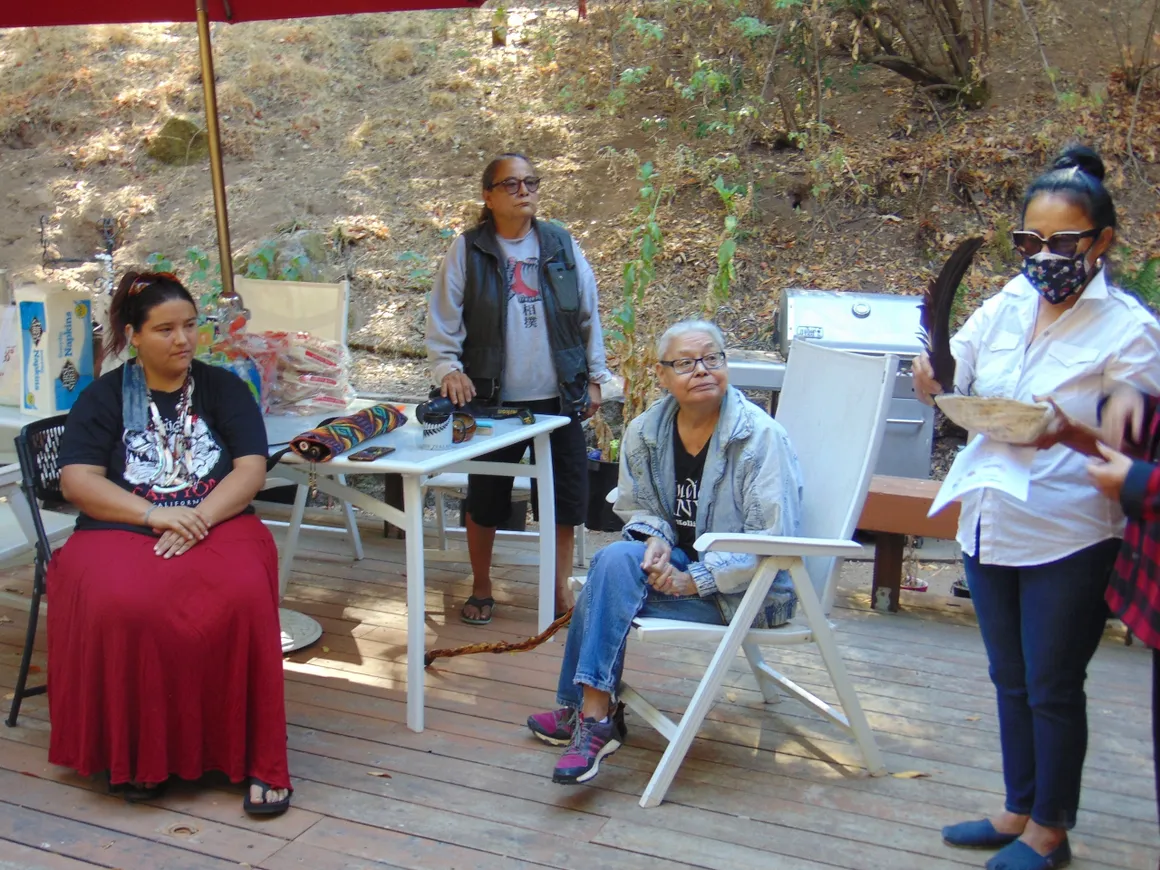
(217, 173)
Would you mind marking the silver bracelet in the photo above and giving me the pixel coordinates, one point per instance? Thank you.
(149, 510)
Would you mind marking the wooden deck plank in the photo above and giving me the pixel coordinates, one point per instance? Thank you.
(503, 841)
(849, 835)
(406, 850)
(1117, 786)
(96, 844)
(759, 788)
(17, 856)
(1123, 755)
(148, 823)
(862, 661)
(300, 856)
(928, 718)
(918, 801)
(220, 802)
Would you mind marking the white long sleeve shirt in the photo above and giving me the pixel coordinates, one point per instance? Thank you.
(1106, 338)
(528, 369)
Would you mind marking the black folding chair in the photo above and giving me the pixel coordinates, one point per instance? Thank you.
(38, 449)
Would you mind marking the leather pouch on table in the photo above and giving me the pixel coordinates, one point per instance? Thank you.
(339, 434)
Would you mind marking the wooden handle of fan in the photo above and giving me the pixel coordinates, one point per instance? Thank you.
(1080, 438)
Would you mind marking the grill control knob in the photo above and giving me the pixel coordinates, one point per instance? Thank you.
(861, 310)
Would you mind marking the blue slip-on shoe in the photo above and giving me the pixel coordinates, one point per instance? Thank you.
(979, 834)
(1020, 856)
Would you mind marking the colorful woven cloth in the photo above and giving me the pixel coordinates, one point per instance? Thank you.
(342, 433)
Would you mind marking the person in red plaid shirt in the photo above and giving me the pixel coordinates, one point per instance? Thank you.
(1128, 473)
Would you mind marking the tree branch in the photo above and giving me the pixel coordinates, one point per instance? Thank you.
(912, 71)
(1039, 44)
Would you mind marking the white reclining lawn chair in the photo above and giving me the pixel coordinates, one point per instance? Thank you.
(833, 405)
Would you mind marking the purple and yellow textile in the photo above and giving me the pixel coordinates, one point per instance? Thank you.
(342, 433)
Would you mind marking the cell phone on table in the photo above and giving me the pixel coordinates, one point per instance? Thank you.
(370, 454)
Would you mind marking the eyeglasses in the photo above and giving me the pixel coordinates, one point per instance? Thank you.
(1063, 244)
(687, 365)
(147, 279)
(512, 185)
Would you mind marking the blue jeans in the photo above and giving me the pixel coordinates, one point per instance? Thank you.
(615, 594)
(1041, 626)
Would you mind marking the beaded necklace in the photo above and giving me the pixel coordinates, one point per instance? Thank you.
(174, 460)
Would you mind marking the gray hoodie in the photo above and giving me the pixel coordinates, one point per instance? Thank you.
(528, 372)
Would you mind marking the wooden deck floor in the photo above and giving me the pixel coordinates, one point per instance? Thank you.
(759, 789)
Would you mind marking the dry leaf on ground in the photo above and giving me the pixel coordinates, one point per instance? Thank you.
(910, 774)
(380, 773)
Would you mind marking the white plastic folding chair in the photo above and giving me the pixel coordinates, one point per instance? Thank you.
(323, 311)
(834, 407)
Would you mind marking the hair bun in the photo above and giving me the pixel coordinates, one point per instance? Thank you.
(1084, 159)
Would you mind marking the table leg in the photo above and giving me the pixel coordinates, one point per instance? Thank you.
(546, 501)
(888, 554)
(416, 601)
(291, 545)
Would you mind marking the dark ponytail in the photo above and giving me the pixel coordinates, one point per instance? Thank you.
(1078, 176)
(488, 179)
(137, 295)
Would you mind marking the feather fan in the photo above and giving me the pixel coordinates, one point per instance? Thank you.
(935, 311)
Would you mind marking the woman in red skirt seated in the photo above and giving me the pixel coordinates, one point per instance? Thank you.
(163, 640)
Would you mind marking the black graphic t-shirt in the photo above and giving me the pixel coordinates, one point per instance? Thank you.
(227, 424)
(689, 470)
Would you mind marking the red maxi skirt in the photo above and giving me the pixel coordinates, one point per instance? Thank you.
(160, 668)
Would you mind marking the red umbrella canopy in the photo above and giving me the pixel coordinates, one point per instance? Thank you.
(26, 14)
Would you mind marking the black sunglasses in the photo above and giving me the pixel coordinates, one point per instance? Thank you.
(512, 185)
(1064, 244)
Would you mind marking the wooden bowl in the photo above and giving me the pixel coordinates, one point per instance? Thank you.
(1004, 420)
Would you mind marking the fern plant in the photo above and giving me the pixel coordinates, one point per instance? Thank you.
(1144, 281)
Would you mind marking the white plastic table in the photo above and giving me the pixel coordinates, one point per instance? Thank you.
(415, 464)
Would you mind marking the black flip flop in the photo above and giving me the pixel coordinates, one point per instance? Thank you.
(135, 794)
(478, 603)
(266, 808)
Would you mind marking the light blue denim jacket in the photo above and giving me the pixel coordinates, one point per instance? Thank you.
(751, 483)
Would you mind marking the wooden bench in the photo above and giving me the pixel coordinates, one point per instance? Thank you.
(896, 507)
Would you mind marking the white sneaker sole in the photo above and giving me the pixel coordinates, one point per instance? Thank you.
(610, 747)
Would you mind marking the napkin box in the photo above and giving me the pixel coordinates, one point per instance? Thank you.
(56, 347)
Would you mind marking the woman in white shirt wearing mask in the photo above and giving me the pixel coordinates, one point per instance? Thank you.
(1038, 569)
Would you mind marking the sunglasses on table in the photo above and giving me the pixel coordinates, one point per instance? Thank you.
(512, 185)
(1064, 244)
(685, 365)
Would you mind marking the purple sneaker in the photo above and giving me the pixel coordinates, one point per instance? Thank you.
(555, 726)
(591, 741)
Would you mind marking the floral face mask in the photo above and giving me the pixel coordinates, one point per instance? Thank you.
(1056, 278)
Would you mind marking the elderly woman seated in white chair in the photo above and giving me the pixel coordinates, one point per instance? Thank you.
(701, 459)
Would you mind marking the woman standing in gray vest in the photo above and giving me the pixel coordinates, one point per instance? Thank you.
(513, 320)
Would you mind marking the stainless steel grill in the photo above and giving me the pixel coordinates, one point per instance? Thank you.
(870, 323)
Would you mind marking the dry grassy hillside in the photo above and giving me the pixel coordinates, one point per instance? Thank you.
(373, 130)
